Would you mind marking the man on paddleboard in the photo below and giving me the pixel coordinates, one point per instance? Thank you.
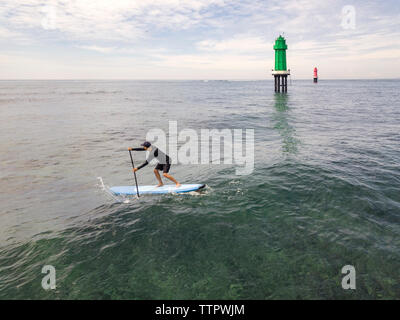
(164, 162)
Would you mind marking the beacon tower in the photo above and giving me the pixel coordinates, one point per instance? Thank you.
(280, 72)
(315, 75)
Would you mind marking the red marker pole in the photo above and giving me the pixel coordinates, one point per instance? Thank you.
(315, 75)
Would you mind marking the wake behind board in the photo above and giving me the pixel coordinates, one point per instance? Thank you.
(169, 188)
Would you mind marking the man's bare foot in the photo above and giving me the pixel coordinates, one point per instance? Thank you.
(178, 185)
(160, 185)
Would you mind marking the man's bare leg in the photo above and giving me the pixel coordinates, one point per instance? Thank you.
(168, 176)
(160, 183)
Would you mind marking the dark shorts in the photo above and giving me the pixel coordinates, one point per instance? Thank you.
(164, 167)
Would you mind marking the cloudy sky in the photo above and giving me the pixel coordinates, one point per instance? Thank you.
(197, 39)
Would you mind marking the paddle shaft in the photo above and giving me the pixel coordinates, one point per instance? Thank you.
(134, 173)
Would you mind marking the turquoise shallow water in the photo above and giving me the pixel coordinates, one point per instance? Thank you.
(324, 192)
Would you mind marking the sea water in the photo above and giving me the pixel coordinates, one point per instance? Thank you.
(324, 192)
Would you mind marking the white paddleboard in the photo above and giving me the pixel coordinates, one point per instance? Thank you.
(168, 188)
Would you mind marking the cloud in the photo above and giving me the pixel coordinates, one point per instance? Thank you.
(194, 38)
(118, 20)
(213, 61)
(98, 49)
(237, 44)
(13, 36)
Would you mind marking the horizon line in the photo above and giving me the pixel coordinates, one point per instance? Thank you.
(155, 79)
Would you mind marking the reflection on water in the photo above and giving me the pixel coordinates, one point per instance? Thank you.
(281, 119)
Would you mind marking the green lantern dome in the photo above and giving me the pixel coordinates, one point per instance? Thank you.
(280, 48)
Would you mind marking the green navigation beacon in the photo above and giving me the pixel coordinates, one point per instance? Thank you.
(280, 72)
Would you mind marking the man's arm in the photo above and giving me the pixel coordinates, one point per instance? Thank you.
(136, 149)
(143, 165)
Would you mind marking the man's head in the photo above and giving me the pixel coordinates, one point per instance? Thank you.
(146, 145)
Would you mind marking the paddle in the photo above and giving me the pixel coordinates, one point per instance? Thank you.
(134, 173)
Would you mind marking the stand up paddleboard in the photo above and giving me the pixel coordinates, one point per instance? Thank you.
(169, 188)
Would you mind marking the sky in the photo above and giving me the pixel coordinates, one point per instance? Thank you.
(197, 39)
